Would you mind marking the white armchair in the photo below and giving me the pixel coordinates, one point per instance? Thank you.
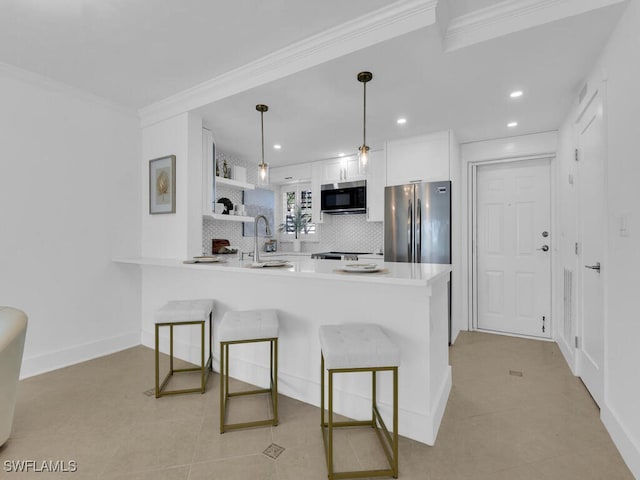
(13, 328)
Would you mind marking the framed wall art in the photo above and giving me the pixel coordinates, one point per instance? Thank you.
(162, 185)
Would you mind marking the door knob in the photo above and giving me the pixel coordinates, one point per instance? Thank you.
(594, 267)
(544, 248)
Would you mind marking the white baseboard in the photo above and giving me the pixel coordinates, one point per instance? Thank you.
(569, 354)
(628, 447)
(181, 349)
(437, 412)
(47, 362)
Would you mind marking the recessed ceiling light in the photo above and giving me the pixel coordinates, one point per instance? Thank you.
(341, 154)
(512, 124)
(277, 146)
(401, 121)
(516, 94)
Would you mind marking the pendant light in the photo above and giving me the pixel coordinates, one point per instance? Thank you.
(263, 168)
(363, 150)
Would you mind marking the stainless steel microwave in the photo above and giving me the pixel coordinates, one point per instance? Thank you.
(344, 197)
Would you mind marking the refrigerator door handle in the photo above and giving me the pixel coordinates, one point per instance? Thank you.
(410, 231)
(418, 229)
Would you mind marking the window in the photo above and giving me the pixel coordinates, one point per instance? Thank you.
(301, 195)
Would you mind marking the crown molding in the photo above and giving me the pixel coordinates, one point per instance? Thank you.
(54, 86)
(511, 16)
(396, 19)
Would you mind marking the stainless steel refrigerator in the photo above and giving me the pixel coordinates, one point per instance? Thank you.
(417, 223)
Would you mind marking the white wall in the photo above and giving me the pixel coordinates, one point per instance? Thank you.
(69, 199)
(617, 73)
(566, 208)
(621, 68)
(179, 234)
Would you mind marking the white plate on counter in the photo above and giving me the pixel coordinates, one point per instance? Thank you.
(271, 263)
(361, 268)
(207, 259)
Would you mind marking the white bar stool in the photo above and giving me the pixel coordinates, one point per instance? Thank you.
(248, 326)
(359, 348)
(183, 312)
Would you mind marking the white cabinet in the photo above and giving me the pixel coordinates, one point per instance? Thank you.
(425, 158)
(300, 172)
(376, 181)
(317, 179)
(343, 169)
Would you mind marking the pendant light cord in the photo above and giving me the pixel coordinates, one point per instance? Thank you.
(364, 119)
(262, 133)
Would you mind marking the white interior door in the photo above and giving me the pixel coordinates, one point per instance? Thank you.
(591, 178)
(513, 247)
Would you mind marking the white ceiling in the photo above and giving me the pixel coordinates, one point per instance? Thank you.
(317, 113)
(135, 53)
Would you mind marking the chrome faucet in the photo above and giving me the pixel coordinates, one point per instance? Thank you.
(256, 250)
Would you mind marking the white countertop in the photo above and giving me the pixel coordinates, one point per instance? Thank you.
(410, 274)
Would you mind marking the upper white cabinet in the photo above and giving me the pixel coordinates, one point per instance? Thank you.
(346, 169)
(317, 179)
(425, 158)
(300, 172)
(376, 181)
(343, 169)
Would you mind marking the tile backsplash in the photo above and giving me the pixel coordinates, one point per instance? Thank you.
(350, 233)
(345, 233)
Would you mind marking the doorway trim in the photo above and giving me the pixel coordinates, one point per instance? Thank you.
(472, 297)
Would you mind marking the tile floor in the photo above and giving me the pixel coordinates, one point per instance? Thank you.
(515, 413)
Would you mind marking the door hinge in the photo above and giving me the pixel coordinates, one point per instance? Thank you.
(576, 341)
(543, 325)
(576, 248)
(577, 157)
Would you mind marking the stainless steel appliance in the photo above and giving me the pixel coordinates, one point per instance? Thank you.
(353, 256)
(343, 198)
(417, 223)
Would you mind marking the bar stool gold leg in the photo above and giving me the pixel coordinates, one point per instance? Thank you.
(395, 422)
(211, 342)
(202, 364)
(157, 356)
(330, 420)
(322, 393)
(222, 391)
(274, 386)
(171, 349)
(373, 396)
(204, 374)
(226, 394)
(388, 441)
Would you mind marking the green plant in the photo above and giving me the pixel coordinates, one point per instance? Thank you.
(297, 221)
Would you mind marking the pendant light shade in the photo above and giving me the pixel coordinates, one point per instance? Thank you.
(363, 150)
(263, 168)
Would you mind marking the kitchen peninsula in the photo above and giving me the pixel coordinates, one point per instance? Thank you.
(408, 300)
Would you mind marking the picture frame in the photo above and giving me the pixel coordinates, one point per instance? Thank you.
(162, 185)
